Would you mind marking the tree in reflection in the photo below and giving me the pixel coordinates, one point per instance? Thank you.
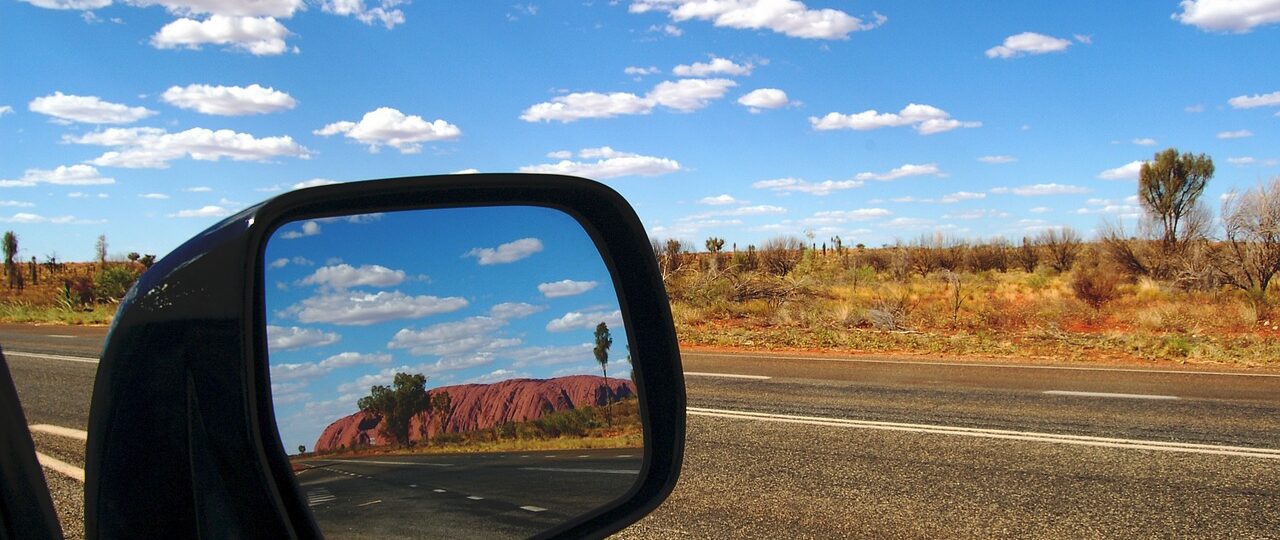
(397, 405)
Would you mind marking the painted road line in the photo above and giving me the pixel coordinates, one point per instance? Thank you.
(440, 490)
(42, 356)
(1106, 395)
(1107, 442)
(60, 431)
(597, 471)
(369, 503)
(61, 336)
(726, 375)
(53, 463)
(984, 365)
(475, 497)
(533, 508)
(370, 461)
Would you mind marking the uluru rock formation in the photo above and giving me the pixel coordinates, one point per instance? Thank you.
(482, 406)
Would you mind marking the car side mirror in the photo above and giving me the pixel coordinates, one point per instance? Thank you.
(457, 356)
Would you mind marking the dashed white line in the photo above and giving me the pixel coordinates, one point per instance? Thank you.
(725, 375)
(60, 431)
(62, 336)
(440, 491)
(421, 463)
(369, 503)
(475, 497)
(533, 508)
(53, 463)
(41, 356)
(597, 471)
(1242, 451)
(1107, 395)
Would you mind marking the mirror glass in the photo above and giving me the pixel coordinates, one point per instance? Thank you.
(460, 372)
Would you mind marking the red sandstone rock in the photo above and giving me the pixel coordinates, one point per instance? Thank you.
(482, 406)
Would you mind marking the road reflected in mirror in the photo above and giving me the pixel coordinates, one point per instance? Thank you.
(450, 372)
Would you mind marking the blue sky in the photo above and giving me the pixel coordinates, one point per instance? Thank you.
(147, 120)
(471, 295)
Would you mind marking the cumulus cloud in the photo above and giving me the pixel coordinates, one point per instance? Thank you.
(567, 287)
(6, 109)
(296, 261)
(87, 109)
(27, 218)
(304, 371)
(237, 8)
(1041, 189)
(788, 17)
(641, 71)
(1256, 100)
(468, 337)
(764, 98)
(154, 148)
(513, 310)
(384, 13)
(17, 204)
(284, 338)
(506, 253)
(1128, 171)
(719, 200)
(63, 175)
(345, 276)
(308, 228)
(961, 196)
(909, 169)
(362, 309)
(684, 95)
(925, 119)
(78, 5)
(609, 163)
(206, 211)
(1238, 134)
(1027, 43)
(391, 127)
(577, 320)
(1228, 15)
(826, 187)
(843, 216)
(1145, 141)
(259, 36)
(997, 160)
(228, 100)
(717, 66)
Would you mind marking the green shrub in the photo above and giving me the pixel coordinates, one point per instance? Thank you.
(113, 281)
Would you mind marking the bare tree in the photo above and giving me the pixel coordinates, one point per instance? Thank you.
(778, 256)
(1249, 258)
(1028, 256)
(100, 248)
(1062, 245)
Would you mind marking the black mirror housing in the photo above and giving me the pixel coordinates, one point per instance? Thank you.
(182, 438)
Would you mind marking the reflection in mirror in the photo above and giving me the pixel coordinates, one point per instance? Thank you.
(451, 373)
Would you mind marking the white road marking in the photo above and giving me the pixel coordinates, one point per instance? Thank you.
(986, 365)
(422, 463)
(533, 508)
(726, 375)
(583, 456)
(439, 491)
(1106, 395)
(50, 462)
(625, 456)
(1243, 451)
(61, 431)
(413, 485)
(319, 496)
(475, 497)
(598, 471)
(369, 503)
(42, 356)
(63, 336)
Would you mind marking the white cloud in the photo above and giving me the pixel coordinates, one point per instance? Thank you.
(308, 228)
(362, 309)
(348, 359)
(1245, 161)
(550, 356)
(1256, 100)
(576, 320)
(259, 36)
(313, 183)
(26, 218)
(826, 187)
(305, 371)
(466, 337)
(719, 200)
(975, 214)
(961, 196)
(717, 66)
(1145, 141)
(198, 189)
(155, 196)
(297, 261)
(385, 12)
(506, 253)
(842, 216)
(997, 160)
(1027, 43)
(283, 338)
(1127, 209)
(237, 8)
(5, 109)
(925, 119)
(1197, 108)
(788, 17)
(228, 100)
(764, 98)
(513, 310)
(1238, 134)
(1041, 189)
(154, 148)
(641, 71)
(609, 163)
(345, 276)
(904, 171)
(466, 171)
(1228, 15)
(87, 109)
(78, 5)
(684, 95)
(1082, 38)
(203, 212)
(62, 175)
(1040, 210)
(388, 126)
(741, 211)
(567, 287)
(1128, 171)
(16, 204)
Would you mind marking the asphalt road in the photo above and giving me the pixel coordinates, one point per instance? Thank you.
(879, 447)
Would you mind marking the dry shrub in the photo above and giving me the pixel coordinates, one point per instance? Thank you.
(778, 256)
(890, 307)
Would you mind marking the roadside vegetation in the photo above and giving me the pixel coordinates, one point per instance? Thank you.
(1185, 287)
(57, 292)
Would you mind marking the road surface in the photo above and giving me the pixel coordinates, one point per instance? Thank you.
(784, 446)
